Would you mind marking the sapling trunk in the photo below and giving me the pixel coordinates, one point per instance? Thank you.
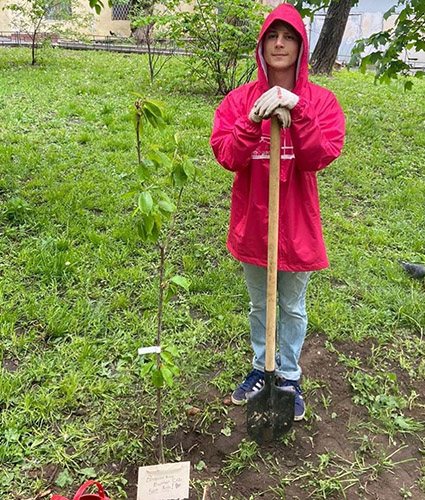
(161, 372)
(158, 356)
(34, 36)
(150, 58)
(163, 253)
(161, 295)
(138, 144)
(33, 51)
(159, 422)
(153, 56)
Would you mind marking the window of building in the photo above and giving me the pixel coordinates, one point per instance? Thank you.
(121, 12)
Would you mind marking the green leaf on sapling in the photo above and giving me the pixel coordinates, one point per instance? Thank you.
(154, 234)
(189, 169)
(164, 196)
(149, 117)
(157, 378)
(165, 160)
(160, 159)
(179, 176)
(141, 230)
(145, 202)
(155, 107)
(155, 121)
(181, 282)
(158, 221)
(167, 375)
(166, 207)
(170, 293)
(144, 169)
(130, 194)
(146, 368)
(174, 369)
(167, 357)
(171, 349)
(148, 222)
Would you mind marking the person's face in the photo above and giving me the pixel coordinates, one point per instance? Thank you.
(281, 44)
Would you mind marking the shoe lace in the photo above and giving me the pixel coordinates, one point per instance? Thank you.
(292, 383)
(251, 379)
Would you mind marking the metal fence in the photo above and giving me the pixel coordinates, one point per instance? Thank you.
(95, 42)
(129, 45)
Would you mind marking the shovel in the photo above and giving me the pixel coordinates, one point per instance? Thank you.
(270, 411)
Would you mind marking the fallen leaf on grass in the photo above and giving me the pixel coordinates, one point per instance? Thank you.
(192, 411)
(42, 494)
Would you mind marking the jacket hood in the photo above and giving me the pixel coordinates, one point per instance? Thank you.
(289, 14)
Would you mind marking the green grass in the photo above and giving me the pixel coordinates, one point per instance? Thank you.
(78, 290)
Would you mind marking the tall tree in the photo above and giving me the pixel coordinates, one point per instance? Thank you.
(326, 50)
(389, 45)
(151, 22)
(220, 34)
(41, 18)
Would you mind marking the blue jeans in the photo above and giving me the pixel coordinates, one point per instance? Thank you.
(292, 320)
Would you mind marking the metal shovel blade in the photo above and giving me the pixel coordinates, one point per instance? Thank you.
(270, 411)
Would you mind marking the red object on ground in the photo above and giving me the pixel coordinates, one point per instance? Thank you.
(80, 495)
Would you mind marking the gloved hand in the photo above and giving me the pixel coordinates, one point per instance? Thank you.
(253, 116)
(284, 117)
(276, 97)
(282, 114)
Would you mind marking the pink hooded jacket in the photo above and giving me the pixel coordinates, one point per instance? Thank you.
(314, 139)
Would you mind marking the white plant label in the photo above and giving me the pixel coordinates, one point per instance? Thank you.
(149, 350)
(164, 482)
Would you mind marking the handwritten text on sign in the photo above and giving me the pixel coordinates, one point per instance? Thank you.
(164, 482)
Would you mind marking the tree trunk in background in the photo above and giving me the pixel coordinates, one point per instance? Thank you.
(146, 7)
(326, 50)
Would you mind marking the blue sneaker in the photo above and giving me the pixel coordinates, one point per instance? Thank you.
(253, 382)
(299, 400)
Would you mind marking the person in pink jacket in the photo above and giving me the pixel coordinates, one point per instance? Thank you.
(312, 138)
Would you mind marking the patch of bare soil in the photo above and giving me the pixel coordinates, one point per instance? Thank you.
(10, 365)
(333, 429)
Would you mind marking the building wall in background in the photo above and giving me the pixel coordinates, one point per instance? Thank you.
(104, 24)
(366, 18)
(101, 26)
(4, 17)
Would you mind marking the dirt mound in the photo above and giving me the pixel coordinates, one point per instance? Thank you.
(332, 450)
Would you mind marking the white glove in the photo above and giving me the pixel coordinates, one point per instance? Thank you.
(276, 97)
(284, 117)
(253, 116)
(282, 114)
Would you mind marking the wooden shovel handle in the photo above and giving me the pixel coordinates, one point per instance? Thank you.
(273, 234)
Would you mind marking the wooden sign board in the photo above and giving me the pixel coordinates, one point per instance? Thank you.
(164, 482)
